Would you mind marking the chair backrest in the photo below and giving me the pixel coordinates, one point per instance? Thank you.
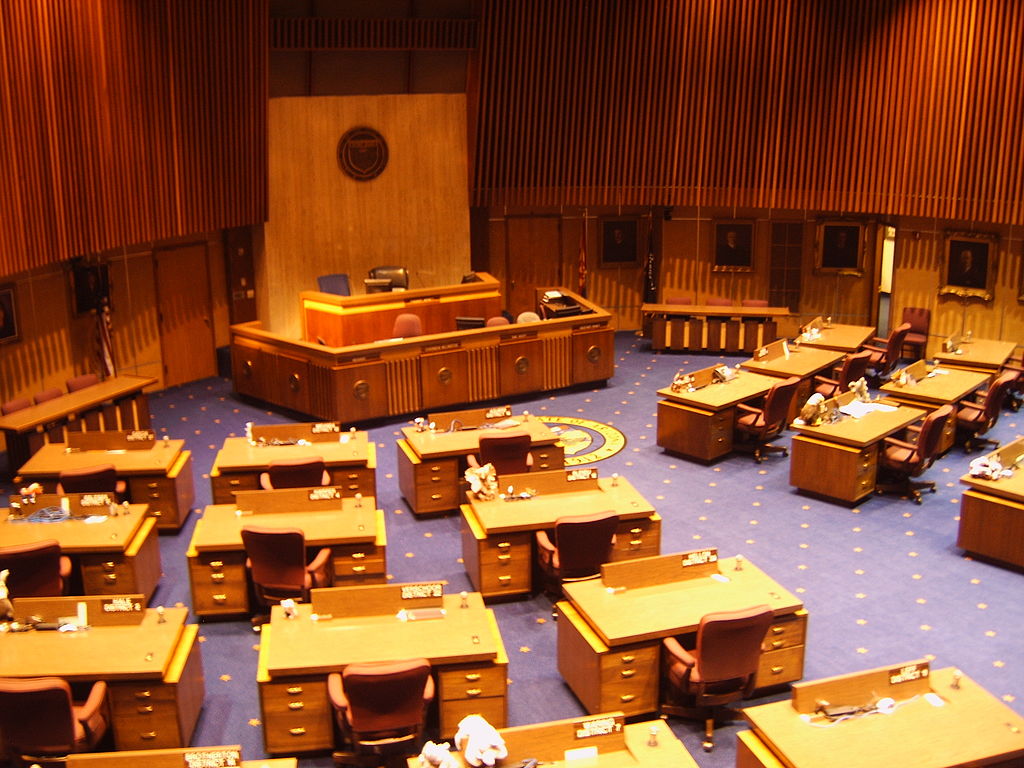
(528, 317)
(36, 715)
(584, 542)
(682, 300)
(715, 301)
(399, 276)
(928, 439)
(336, 283)
(754, 303)
(997, 395)
(918, 318)
(47, 394)
(99, 478)
(385, 696)
(777, 403)
(17, 404)
(894, 344)
(729, 645)
(277, 557)
(406, 325)
(854, 367)
(305, 472)
(81, 382)
(34, 569)
(506, 450)
(497, 320)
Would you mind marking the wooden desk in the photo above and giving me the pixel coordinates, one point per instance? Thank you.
(216, 555)
(840, 460)
(992, 512)
(972, 728)
(609, 639)
(121, 403)
(936, 390)
(208, 757)
(153, 669)
(160, 477)
(802, 363)
(841, 338)
(296, 655)
(117, 556)
(699, 327)
(984, 355)
(700, 424)
(351, 462)
(431, 464)
(498, 536)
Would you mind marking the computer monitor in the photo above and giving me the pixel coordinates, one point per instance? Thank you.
(377, 284)
(465, 323)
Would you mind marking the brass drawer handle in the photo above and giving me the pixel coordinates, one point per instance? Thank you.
(636, 531)
(294, 690)
(297, 731)
(109, 565)
(358, 555)
(504, 544)
(777, 644)
(627, 672)
(110, 578)
(145, 694)
(628, 659)
(505, 579)
(353, 476)
(777, 670)
(234, 482)
(778, 630)
(435, 479)
(156, 512)
(435, 468)
(148, 736)
(635, 542)
(626, 698)
(296, 705)
(154, 495)
(152, 485)
(473, 676)
(473, 691)
(358, 569)
(435, 496)
(504, 556)
(216, 577)
(145, 709)
(220, 598)
(216, 563)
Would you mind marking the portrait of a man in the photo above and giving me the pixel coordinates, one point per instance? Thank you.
(967, 266)
(840, 247)
(619, 242)
(8, 318)
(734, 246)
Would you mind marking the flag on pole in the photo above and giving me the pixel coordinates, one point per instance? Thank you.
(104, 343)
(651, 270)
(582, 264)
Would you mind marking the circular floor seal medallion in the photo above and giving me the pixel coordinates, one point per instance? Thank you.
(585, 441)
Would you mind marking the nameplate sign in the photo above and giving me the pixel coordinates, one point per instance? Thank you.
(122, 604)
(441, 347)
(280, 500)
(296, 433)
(772, 351)
(1010, 456)
(76, 504)
(659, 569)
(815, 326)
(111, 440)
(909, 673)
(50, 609)
(325, 427)
(598, 726)
(377, 599)
(549, 481)
(472, 418)
(861, 688)
(327, 493)
(213, 758)
(699, 557)
(694, 380)
(580, 473)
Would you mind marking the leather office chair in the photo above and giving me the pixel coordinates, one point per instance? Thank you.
(277, 565)
(902, 460)
(715, 301)
(380, 709)
(1015, 392)
(36, 570)
(81, 382)
(920, 320)
(754, 303)
(307, 472)
(575, 549)
(885, 353)
(399, 276)
(507, 450)
(528, 317)
(17, 404)
(99, 478)
(47, 394)
(679, 300)
(40, 721)
(976, 418)
(854, 367)
(407, 325)
(722, 668)
(336, 283)
(497, 320)
(762, 425)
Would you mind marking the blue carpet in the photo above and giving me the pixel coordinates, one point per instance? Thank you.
(883, 582)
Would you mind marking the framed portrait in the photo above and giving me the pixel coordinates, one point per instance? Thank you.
(969, 265)
(91, 285)
(841, 247)
(9, 330)
(734, 246)
(620, 241)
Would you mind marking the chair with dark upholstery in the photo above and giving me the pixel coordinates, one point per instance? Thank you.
(528, 317)
(854, 367)
(407, 325)
(40, 722)
(900, 461)
(754, 303)
(81, 382)
(575, 549)
(920, 320)
(380, 709)
(759, 426)
(507, 450)
(47, 394)
(680, 300)
(17, 404)
(399, 276)
(973, 419)
(305, 472)
(98, 478)
(336, 283)
(497, 320)
(276, 561)
(885, 353)
(36, 570)
(715, 301)
(722, 668)
(1015, 392)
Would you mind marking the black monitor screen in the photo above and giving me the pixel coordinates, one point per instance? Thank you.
(465, 323)
(377, 284)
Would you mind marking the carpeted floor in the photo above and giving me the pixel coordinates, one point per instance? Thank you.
(883, 582)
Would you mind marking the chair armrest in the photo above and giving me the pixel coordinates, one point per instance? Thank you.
(678, 652)
(65, 567)
(747, 408)
(265, 483)
(91, 713)
(967, 405)
(826, 380)
(545, 549)
(874, 348)
(318, 568)
(335, 692)
(900, 443)
(472, 460)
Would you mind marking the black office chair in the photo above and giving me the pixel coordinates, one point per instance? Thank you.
(854, 367)
(507, 450)
(575, 549)
(306, 472)
(98, 478)
(277, 565)
(762, 425)
(399, 276)
(336, 283)
(900, 461)
(974, 419)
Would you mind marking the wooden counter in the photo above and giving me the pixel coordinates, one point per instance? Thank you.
(704, 328)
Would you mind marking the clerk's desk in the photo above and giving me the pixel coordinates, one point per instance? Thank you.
(498, 535)
(992, 511)
(934, 387)
(181, 757)
(120, 400)
(350, 457)
(153, 668)
(157, 472)
(700, 327)
(431, 462)
(838, 337)
(110, 554)
(365, 624)
(610, 628)
(351, 526)
(970, 728)
(780, 359)
(839, 460)
(697, 415)
(615, 744)
(985, 355)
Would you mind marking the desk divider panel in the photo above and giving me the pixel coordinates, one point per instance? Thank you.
(317, 499)
(182, 757)
(111, 440)
(1010, 455)
(376, 600)
(312, 432)
(78, 504)
(553, 481)
(472, 418)
(660, 569)
(900, 682)
(772, 351)
(547, 742)
(101, 610)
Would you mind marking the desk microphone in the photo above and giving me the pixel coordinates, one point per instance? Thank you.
(957, 674)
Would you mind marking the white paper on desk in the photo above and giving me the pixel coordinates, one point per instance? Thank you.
(581, 753)
(856, 409)
(96, 519)
(943, 371)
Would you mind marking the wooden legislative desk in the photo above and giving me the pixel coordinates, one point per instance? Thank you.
(840, 460)
(970, 728)
(498, 536)
(365, 624)
(431, 463)
(119, 403)
(840, 338)
(803, 363)
(992, 511)
(934, 388)
(610, 628)
(153, 667)
(362, 374)
(109, 555)
(699, 424)
(351, 527)
(704, 328)
(984, 355)
(159, 476)
(182, 757)
(350, 458)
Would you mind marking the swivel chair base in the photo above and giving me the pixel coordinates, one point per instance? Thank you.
(711, 716)
(389, 753)
(974, 443)
(760, 452)
(907, 489)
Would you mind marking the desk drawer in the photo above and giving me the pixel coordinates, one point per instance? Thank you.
(492, 709)
(629, 679)
(145, 716)
(506, 564)
(637, 538)
(353, 480)
(297, 716)
(352, 561)
(548, 456)
(782, 666)
(169, 497)
(786, 631)
(474, 682)
(436, 485)
(225, 484)
(218, 583)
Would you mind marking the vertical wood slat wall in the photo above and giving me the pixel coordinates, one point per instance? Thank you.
(128, 122)
(877, 106)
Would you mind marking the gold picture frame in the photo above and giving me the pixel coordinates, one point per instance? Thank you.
(840, 248)
(969, 266)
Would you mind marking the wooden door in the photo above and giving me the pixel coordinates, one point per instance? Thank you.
(185, 313)
(533, 256)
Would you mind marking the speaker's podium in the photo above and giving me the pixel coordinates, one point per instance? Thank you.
(557, 304)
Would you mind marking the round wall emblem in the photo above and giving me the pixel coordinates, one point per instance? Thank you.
(362, 153)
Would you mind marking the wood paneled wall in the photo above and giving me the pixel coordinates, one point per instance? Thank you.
(874, 107)
(415, 214)
(128, 122)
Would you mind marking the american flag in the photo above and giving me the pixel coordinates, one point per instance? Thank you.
(104, 344)
(582, 282)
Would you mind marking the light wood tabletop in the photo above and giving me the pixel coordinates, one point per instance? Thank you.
(53, 458)
(1011, 488)
(865, 430)
(220, 527)
(238, 453)
(460, 442)
(842, 338)
(100, 533)
(802, 362)
(73, 402)
(979, 353)
(717, 397)
(941, 385)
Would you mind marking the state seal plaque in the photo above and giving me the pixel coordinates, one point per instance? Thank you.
(362, 153)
